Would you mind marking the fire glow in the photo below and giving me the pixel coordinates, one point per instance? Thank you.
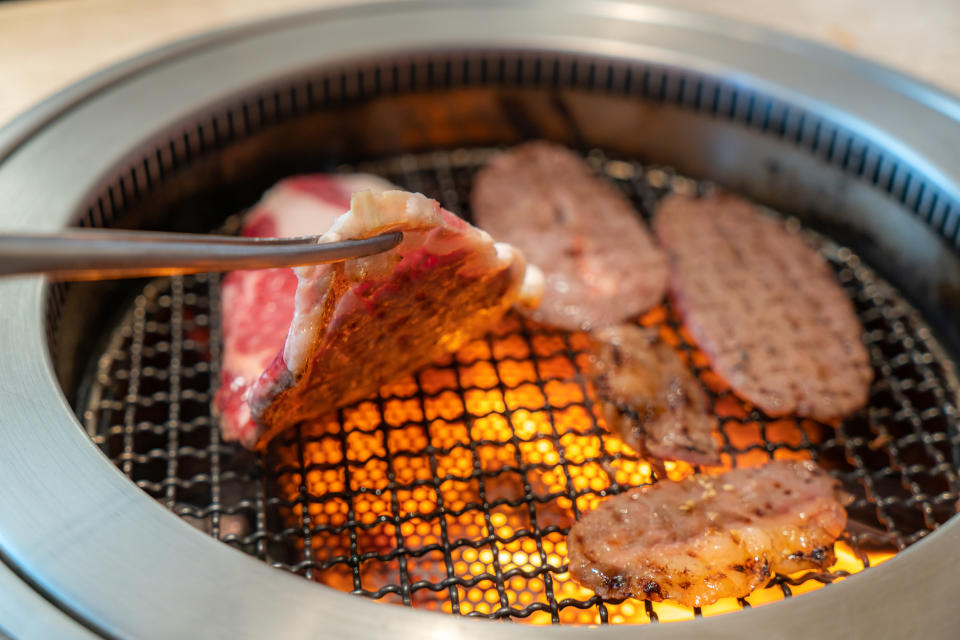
(453, 490)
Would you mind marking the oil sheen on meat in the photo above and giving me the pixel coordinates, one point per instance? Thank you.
(764, 307)
(258, 305)
(600, 263)
(363, 322)
(650, 398)
(709, 537)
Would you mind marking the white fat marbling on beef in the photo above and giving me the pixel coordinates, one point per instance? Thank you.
(307, 205)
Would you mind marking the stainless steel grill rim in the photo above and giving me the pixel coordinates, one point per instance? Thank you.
(50, 463)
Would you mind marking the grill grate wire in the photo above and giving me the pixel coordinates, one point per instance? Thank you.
(454, 488)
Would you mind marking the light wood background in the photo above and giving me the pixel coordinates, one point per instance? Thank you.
(47, 44)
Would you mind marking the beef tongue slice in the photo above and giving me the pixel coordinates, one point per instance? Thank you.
(600, 263)
(710, 537)
(764, 307)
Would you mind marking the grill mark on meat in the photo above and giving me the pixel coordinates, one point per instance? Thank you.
(616, 582)
(558, 215)
(764, 307)
(650, 589)
(649, 397)
(721, 546)
(600, 263)
(817, 555)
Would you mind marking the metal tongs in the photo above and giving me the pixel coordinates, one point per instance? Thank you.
(103, 254)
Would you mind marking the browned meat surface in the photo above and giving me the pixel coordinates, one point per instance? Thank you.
(650, 398)
(709, 537)
(600, 262)
(361, 323)
(764, 307)
(258, 305)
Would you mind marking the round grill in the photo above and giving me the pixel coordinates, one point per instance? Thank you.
(454, 488)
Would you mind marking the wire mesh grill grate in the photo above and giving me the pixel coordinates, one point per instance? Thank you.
(454, 488)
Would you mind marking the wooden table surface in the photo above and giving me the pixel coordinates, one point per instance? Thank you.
(47, 44)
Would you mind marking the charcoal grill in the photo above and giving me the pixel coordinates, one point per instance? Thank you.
(453, 489)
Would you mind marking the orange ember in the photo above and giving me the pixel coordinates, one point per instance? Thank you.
(396, 480)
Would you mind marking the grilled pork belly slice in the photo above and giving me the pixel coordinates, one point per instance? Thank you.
(764, 307)
(361, 323)
(600, 263)
(709, 537)
(650, 398)
(258, 305)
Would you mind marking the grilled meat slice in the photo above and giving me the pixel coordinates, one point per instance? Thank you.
(709, 537)
(764, 307)
(361, 323)
(650, 398)
(258, 305)
(600, 262)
